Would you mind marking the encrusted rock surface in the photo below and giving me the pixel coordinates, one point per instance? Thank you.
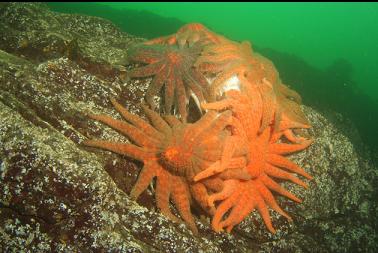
(59, 196)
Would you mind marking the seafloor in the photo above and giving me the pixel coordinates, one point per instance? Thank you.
(58, 196)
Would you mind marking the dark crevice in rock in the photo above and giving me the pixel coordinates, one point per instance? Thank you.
(14, 209)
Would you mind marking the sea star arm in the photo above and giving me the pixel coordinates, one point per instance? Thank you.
(286, 123)
(169, 91)
(170, 40)
(219, 105)
(210, 171)
(228, 188)
(269, 199)
(219, 166)
(283, 162)
(207, 67)
(264, 212)
(129, 150)
(181, 198)
(156, 84)
(144, 54)
(289, 93)
(217, 125)
(200, 194)
(248, 112)
(268, 102)
(254, 194)
(277, 188)
(227, 160)
(146, 71)
(291, 110)
(148, 172)
(273, 171)
(199, 78)
(163, 193)
(214, 58)
(249, 200)
(171, 120)
(214, 184)
(203, 123)
(157, 121)
(214, 49)
(233, 147)
(223, 208)
(181, 99)
(188, 34)
(196, 87)
(238, 173)
(207, 154)
(283, 148)
(196, 33)
(288, 133)
(130, 131)
(137, 121)
(239, 212)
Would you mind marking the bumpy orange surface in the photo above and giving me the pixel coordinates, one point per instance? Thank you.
(171, 151)
(229, 159)
(171, 67)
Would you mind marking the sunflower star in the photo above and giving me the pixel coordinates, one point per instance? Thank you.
(226, 161)
(289, 103)
(172, 67)
(234, 61)
(266, 161)
(226, 59)
(171, 151)
(188, 35)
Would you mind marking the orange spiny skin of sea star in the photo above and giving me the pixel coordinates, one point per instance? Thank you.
(226, 161)
(266, 161)
(289, 93)
(171, 67)
(194, 147)
(231, 59)
(171, 151)
(226, 59)
(289, 115)
(188, 35)
(291, 108)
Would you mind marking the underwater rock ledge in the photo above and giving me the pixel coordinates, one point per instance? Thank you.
(57, 195)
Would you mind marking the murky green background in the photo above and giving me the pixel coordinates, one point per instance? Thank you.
(326, 51)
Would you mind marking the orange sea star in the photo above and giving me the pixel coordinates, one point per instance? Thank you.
(172, 67)
(226, 161)
(266, 160)
(188, 35)
(229, 60)
(171, 151)
(226, 59)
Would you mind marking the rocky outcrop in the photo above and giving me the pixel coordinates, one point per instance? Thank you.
(57, 195)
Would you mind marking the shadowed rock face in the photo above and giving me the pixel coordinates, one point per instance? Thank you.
(57, 195)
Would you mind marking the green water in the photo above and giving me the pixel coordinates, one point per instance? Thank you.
(318, 32)
(326, 51)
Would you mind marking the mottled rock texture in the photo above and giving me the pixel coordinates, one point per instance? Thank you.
(58, 196)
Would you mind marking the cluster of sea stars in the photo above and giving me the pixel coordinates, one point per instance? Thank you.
(225, 161)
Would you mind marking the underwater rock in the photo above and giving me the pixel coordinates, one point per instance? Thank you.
(57, 195)
(37, 34)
